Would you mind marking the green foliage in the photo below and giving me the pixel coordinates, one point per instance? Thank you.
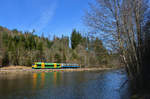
(76, 39)
(74, 55)
(57, 58)
(5, 38)
(49, 43)
(15, 31)
(5, 60)
(28, 62)
(40, 46)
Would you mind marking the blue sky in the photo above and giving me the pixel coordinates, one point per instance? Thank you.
(48, 16)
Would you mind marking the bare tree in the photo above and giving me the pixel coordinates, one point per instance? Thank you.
(1, 49)
(120, 22)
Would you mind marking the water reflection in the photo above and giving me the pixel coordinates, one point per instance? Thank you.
(55, 78)
(64, 85)
(34, 80)
(42, 79)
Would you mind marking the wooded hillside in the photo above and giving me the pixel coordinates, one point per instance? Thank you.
(25, 48)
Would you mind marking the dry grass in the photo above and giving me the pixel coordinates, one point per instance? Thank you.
(15, 67)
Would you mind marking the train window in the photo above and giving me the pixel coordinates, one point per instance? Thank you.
(49, 65)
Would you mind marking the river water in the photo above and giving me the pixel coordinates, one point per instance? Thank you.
(64, 85)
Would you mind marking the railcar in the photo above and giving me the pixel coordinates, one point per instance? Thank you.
(44, 65)
(64, 65)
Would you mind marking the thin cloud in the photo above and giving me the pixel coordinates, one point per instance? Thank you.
(45, 18)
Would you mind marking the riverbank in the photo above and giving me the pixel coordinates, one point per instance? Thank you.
(14, 69)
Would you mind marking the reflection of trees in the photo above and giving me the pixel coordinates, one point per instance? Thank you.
(14, 82)
(42, 79)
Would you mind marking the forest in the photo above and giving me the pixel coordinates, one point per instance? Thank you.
(24, 48)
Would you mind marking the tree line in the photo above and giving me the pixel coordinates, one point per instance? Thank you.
(25, 48)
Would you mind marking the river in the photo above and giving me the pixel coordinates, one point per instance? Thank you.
(64, 85)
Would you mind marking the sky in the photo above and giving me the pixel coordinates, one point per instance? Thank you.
(50, 17)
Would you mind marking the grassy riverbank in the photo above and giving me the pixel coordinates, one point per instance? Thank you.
(13, 69)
